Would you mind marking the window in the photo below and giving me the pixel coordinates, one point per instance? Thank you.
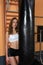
(40, 33)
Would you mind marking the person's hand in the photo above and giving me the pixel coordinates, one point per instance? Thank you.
(7, 60)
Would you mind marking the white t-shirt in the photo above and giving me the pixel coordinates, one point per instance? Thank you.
(13, 37)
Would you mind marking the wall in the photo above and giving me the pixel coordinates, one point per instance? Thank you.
(38, 21)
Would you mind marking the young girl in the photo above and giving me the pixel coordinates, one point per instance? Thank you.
(12, 43)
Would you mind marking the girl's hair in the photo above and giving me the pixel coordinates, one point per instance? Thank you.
(11, 28)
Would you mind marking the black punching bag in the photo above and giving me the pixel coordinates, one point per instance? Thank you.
(26, 32)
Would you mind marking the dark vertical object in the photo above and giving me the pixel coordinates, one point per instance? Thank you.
(26, 32)
(2, 60)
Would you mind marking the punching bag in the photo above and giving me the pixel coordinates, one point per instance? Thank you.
(26, 32)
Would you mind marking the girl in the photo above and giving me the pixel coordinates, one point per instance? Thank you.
(12, 49)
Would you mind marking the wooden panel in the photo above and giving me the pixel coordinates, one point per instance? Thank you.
(35, 38)
(13, 8)
(37, 47)
(39, 21)
(14, 1)
(35, 29)
(12, 12)
(38, 7)
(9, 17)
(2, 29)
(8, 21)
(42, 46)
(8, 13)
